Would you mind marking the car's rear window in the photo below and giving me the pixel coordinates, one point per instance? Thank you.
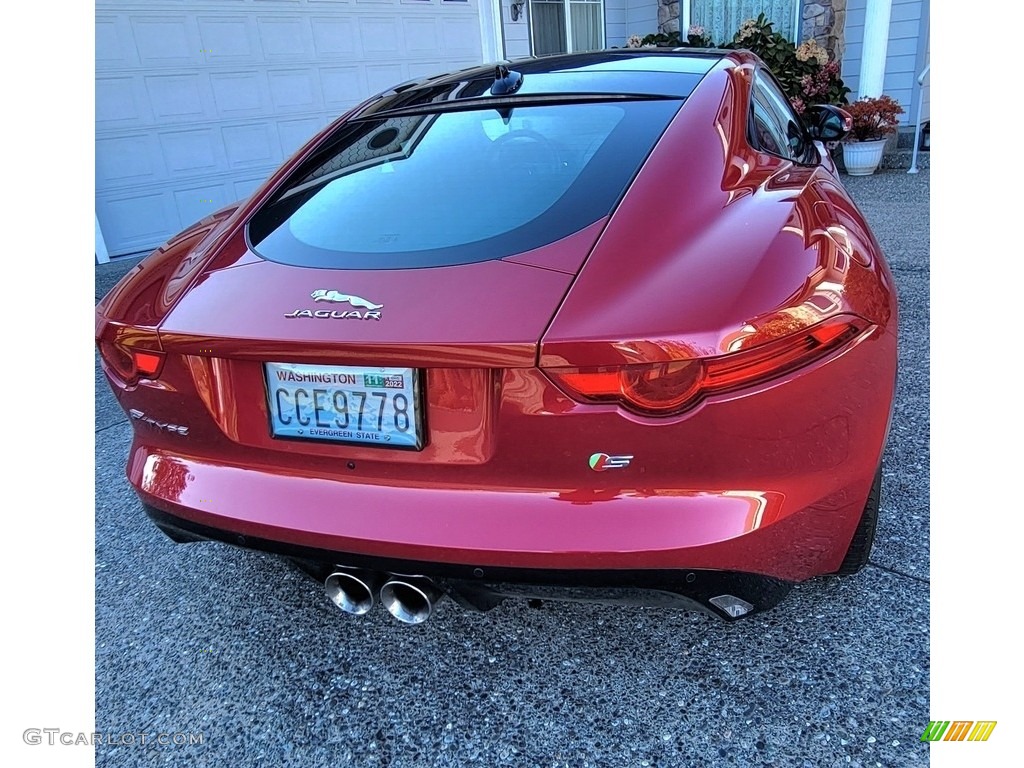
(458, 187)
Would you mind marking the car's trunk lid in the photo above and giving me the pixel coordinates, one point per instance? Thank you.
(487, 314)
(455, 327)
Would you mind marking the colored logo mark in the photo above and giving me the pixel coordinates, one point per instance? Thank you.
(958, 730)
(599, 462)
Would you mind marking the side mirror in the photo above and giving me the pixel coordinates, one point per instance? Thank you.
(827, 123)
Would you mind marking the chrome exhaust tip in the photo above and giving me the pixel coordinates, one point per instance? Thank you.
(352, 591)
(410, 599)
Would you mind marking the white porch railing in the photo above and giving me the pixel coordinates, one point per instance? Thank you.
(920, 105)
(101, 247)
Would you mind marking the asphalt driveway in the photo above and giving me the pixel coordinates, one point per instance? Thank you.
(239, 648)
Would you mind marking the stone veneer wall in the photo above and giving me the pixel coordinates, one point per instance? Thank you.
(824, 20)
(668, 16)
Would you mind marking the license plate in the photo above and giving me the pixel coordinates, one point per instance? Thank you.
(345, 404)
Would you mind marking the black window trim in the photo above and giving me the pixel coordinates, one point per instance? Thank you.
(473, 104)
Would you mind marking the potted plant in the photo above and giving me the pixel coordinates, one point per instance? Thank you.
(874, 119)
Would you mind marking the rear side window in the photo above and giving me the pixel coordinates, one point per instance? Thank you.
(458, 187)
(776, 128)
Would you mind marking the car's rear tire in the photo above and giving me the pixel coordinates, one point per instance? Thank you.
(860, 547)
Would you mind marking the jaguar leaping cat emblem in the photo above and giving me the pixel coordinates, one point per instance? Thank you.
(355, 301)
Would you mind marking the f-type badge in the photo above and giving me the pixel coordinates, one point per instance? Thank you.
(372, 310)
(177, 429)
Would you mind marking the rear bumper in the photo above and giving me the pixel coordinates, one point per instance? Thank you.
(770, 482)
(723, 594)
(790, 532)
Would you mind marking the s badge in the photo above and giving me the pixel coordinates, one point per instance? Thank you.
(599, 462)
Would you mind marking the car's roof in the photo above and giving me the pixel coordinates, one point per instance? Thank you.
(680, 60)
(670, 73)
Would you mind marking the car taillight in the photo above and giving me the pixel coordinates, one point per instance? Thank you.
(670, 387)
(148, 364)
(129, 355)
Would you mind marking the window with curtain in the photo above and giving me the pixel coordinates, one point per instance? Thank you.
(566, 26)
(721, 18)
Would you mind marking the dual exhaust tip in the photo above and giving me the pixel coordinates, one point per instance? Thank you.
(410, 599)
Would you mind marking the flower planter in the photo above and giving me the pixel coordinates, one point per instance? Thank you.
(862, 157)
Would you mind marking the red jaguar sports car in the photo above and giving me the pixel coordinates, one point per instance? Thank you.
(598, 326)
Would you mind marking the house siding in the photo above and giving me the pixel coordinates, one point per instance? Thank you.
(855, 14)
(615, 23)
(641, 17)
(516, 33)
(906, 25)
(923, 93)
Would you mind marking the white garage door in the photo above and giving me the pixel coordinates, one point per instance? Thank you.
(198, 101)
